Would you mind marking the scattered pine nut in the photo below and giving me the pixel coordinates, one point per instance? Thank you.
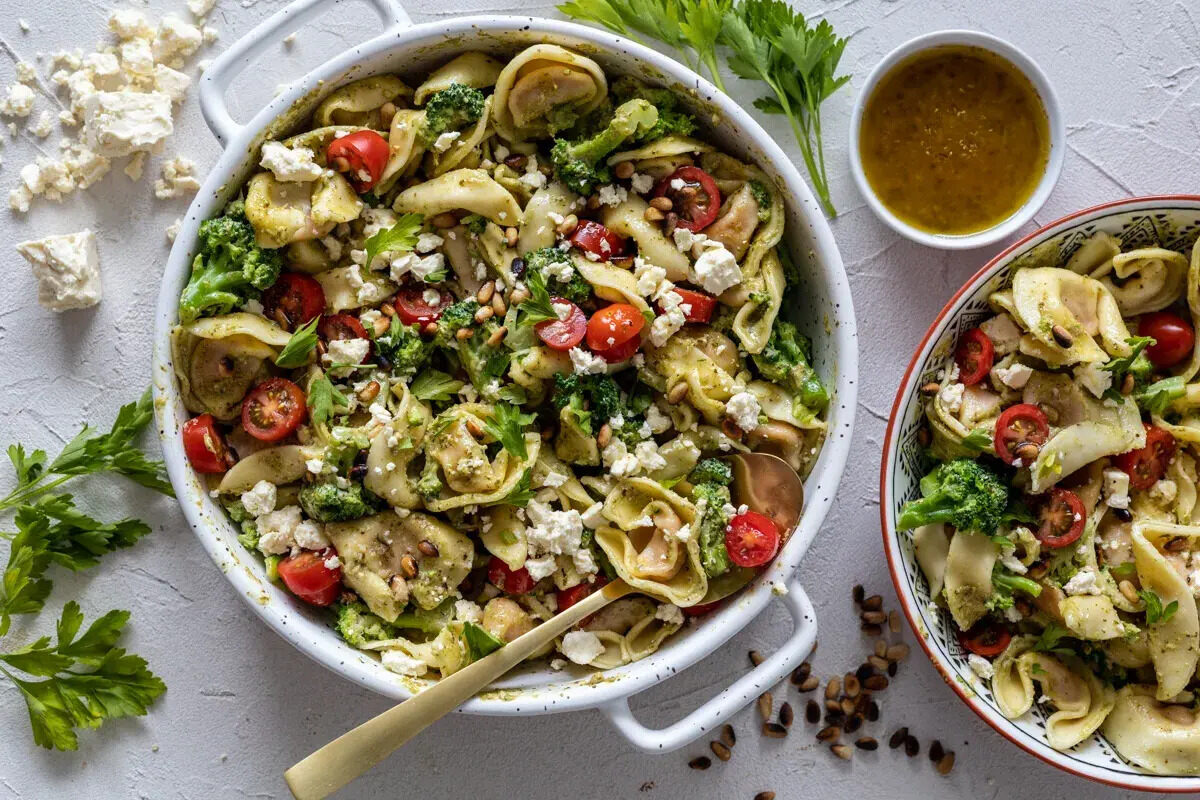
(866, 743)
(898, 738)
(881, 648)
(719, 750)
(842, 751)
(809, 683)
(829, 733)
(728, 737)
(786, 715)
(484, 295)
(498, 335)
(857, 593)
(873, 603)
(755, 657)
(878, 663)
(894, 621)
(945, 763)
(911, 746)
(812, 712)
(1062, 336)
(765, 796)
(700, 762)
(876, 683)
(897, 652)
(833, 688)
(872, 629)
(765, 705)
(464, 333)
(623, 170)
(774, 730)
(931, 388)
(852, 686)
(368, 393)
(874, 617)
(935, 751)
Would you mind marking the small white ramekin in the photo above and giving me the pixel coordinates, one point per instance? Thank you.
(1054, 162)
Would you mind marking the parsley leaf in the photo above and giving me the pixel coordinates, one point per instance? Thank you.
(433, 385)
(87, 679)
(401, 236)
(1136, 362)
(1155, 611)
(298, 348)
(1158, 397)
(479, 641)
(29, 468)
(507, 424)
(978, 441)
(538, 307)
(1048, 642)
(323, 399)
(522, 493)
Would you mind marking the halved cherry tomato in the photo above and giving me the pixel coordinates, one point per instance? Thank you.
(361, 156)
(205, 446)
(1019, 425)
(1146, 466)
(273, 409)
(697, 306)
(700, 610)
(567, 332)
(752, 539)
(1173, 337)
(696, 198)
(307, 576)
(612, 328)
(985, 639)
(1061, 518)
(413, 307)
(592, 237)
(507, 580)
(298, 297)
(974, 356)
(571, 596)
(341, 326)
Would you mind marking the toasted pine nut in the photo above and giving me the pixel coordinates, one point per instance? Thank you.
(1027, 452)
(510, 236)
(652, 214)
(677, 393)
(408, 566)
(386, 112)
(473, 427)
(369, 392)
(484, 314)
(430, 328)
(604, 435)
(497, 336)
(568, 225)
(662, 203)
(381, 325)
(1062, 336)
(623, 170)
(1127, 589)
(931, 388)
(498, 305)
(464, 333)
(388, 309)
(341, 164)
(427, 548)
(518, 295)
(485, 292)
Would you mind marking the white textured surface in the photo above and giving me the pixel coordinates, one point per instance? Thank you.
(242, 705)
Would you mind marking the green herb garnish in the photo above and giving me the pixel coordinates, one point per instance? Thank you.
(298, 348)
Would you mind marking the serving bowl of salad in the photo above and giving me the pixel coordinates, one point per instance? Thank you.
(458, 329)
(1039, 488)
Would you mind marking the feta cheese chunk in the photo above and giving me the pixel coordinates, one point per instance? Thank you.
(743, 409)
(1082, 582)
(178, 179)
(276, 530)
(716, 270)
(289, 164)
(260, 499)
(670, 614)
(1116, 488)
(124, 122)
(1095, 380)
(402, 663)
(670, 321)
(1014, 376)
(18, 102)
(585, 363)
(346, 352)
(582, 647)
(67, 269)
(980, 666)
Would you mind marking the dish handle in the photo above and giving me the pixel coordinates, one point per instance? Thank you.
(743, 691)
(269, 34)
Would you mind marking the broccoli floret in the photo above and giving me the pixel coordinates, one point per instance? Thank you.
(786, 361)
(429, 484)
(630, 430)
(249, 535)
(359, 627)
(451, 109)
(455, 316)
(714, 496)
(404, 348)
(475, 224)
(484, 363)
(230, 267)
(577, 164)
(589, 397)
(712, 470)
(1004, 584)
(671, 120)
(964, 493)
(576, 288)
(328, 502)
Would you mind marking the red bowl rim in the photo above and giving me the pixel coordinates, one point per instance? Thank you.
(886, 461)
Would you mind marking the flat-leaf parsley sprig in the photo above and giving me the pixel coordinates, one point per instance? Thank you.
(768, 41)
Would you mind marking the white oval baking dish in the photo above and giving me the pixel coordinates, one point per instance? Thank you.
(828, 314)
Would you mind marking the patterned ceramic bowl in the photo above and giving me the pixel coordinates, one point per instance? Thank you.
(1170, 221)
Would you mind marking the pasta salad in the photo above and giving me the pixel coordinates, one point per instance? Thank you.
(461, 354)
(1059, 525)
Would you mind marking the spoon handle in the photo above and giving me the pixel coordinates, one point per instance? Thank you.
(354, 752)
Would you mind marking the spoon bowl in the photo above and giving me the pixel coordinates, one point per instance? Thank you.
(763, 482)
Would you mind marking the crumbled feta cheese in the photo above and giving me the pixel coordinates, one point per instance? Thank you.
(1095, 380)
(402, 663)
(276, 530)
(582, 647)
(123, 122)
(1164, 491)
(558, 533)
(26, 73)
(310, 535)
(980, 666)
(443, 142)
(743, 409)
(178, 179)
(260, 499)
(561, 271)
(584, 363)
(176, 39)
(1082, 582)
(554, 479)
(651, 280)
(716, 270)
(610, 195)
(346, 351)
(128, 23)
(669, 613)
(1116, 488)
(18, 102)
(648, 456)
(952, 396)
(290, 163)
(592, 516)
(534, 178)
(137, 57)
(657, 420)
(467, 611)
(200, 8)
(685, 239)
(173, 231)
(1014, 376)
(543, 567)
(618, 459)
(171, 82)
(428, 242)
(641, 182)
(333, 562)
(67, 269)
(44, 125)
(670, 321)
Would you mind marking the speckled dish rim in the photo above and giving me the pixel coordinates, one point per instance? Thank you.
(1055, 129)
(1147, 782)
(550, 691)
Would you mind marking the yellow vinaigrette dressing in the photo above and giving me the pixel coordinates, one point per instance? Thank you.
(954, 140)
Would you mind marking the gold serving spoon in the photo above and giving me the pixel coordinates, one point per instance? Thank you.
(764, 483)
